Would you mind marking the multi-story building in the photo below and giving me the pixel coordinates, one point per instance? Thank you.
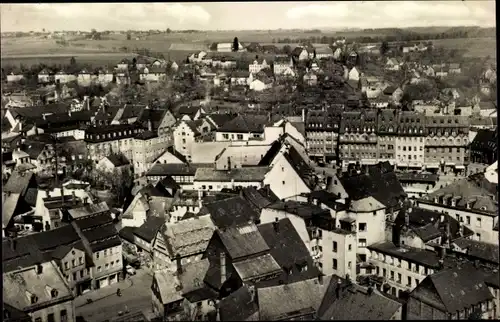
(147, 147)
(484, 146)
(40, 291)
(357, 137)
(188, 132)
(322, 128)
(446, 142)
(471, 203)
(103, 141)
(101, 240)
(257, 65)
(72, 263)
(282, 66)
(387, 126)
(410, 140)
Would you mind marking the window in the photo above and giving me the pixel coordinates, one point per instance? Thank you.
(99, 268)
(478, 237)
(334, 246)
(239, 137)
(392, 275)
(399, 278)
(349, 264)
(409, 281)
(334, 263)
(283, 182)
(80, 260)
(97, 255)
(417, 281)
(362, 226)
(81, 273)
(183, 140)
(74, 276)
(467, 218)
(106, 266)
(362, 242)
(384, 272)
(38, 319)
(64, 316)
(478, 223)
(349, 247)
(73, 262)
(51, 317)
(66, 265)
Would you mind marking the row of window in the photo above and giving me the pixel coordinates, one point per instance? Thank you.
(74, 263)
(399, 279)
(412, 267)
(114, 134)
(82, 272)
(51, 317)
(108, 265)
(106, 252)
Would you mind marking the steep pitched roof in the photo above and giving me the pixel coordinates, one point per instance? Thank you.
(230, 211)
(242, 241)
(458, 288)
(150, 228)
(239, 305)
(245, 124)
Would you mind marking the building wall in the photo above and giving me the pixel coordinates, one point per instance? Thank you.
(183, 139)
(448, 150)
(219, 185)
(478, 223)
(284, 180)
(344, 256)
(97, 151)
(74, 265)
(321, 142)
(42, 315)
(147, 151)
(386, 146)
(373, 231)
(400, 268)
(410, 150)
(137, 210)
(227, 136)
(104, 260)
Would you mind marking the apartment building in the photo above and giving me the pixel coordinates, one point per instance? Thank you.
(102, 141)
(387, 127)
(322, 128)
(147, 147)
(446, 142)
(410, 140)
(358, 138)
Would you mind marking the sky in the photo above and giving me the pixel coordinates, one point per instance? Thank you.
(245, 15)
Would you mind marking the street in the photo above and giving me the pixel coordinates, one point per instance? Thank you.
(136, 296)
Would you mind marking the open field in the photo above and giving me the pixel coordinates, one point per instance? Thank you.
(177, 46)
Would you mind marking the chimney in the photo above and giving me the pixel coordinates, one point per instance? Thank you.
(367, 170)
(407, 218)
(39, 269)
(370, 290)
(320, 278)
(200, 195)
(337, 289)
(251, 289)
(304, 115)
(48, 193)
(47, 226)
(448, 234)
(13, 244)
(276, 225)
(442, 218)
(178, 263)
(222, 267)
(150, 126)
(461, 229)
(74, 197)
(86, 200)
(229, 163)
(69, 112)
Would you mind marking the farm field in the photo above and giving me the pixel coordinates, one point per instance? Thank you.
(475, 47)
(94, 59)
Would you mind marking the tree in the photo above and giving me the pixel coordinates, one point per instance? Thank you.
(72, 61)
(384, 48)
(287, 49)
(236, 44)
(168, 30)
(129, 36)
(213, 46)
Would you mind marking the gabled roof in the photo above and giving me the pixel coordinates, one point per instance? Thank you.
(242, 241)
(220, 119)
(288, 249)
(239, 305)
(187, 237)
(230, 211)
(118, 160)
(19, 182)
(150, 228)
(245, 124)
(301, 167)
(458, 288)
(355, 303)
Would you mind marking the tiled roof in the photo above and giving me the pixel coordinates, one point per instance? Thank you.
(150, 228)
(242, 241)
(458, 288)
(288, 249)
(9, 206)
(279, 302)
(480, 250)
(220, 119)
(18, 182)
(368, 204)
(246, 174)
(381, 184)
(192, 236)
(230, 211)
(245, 124)
(118, 160)
(239, 305)
(255, 198)
(88, 210)
(168, 286)
(256, 267)
(356, 304)
(301, 209)
(301, 167)
(19, 286)
(479, 198)
(172, 169)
